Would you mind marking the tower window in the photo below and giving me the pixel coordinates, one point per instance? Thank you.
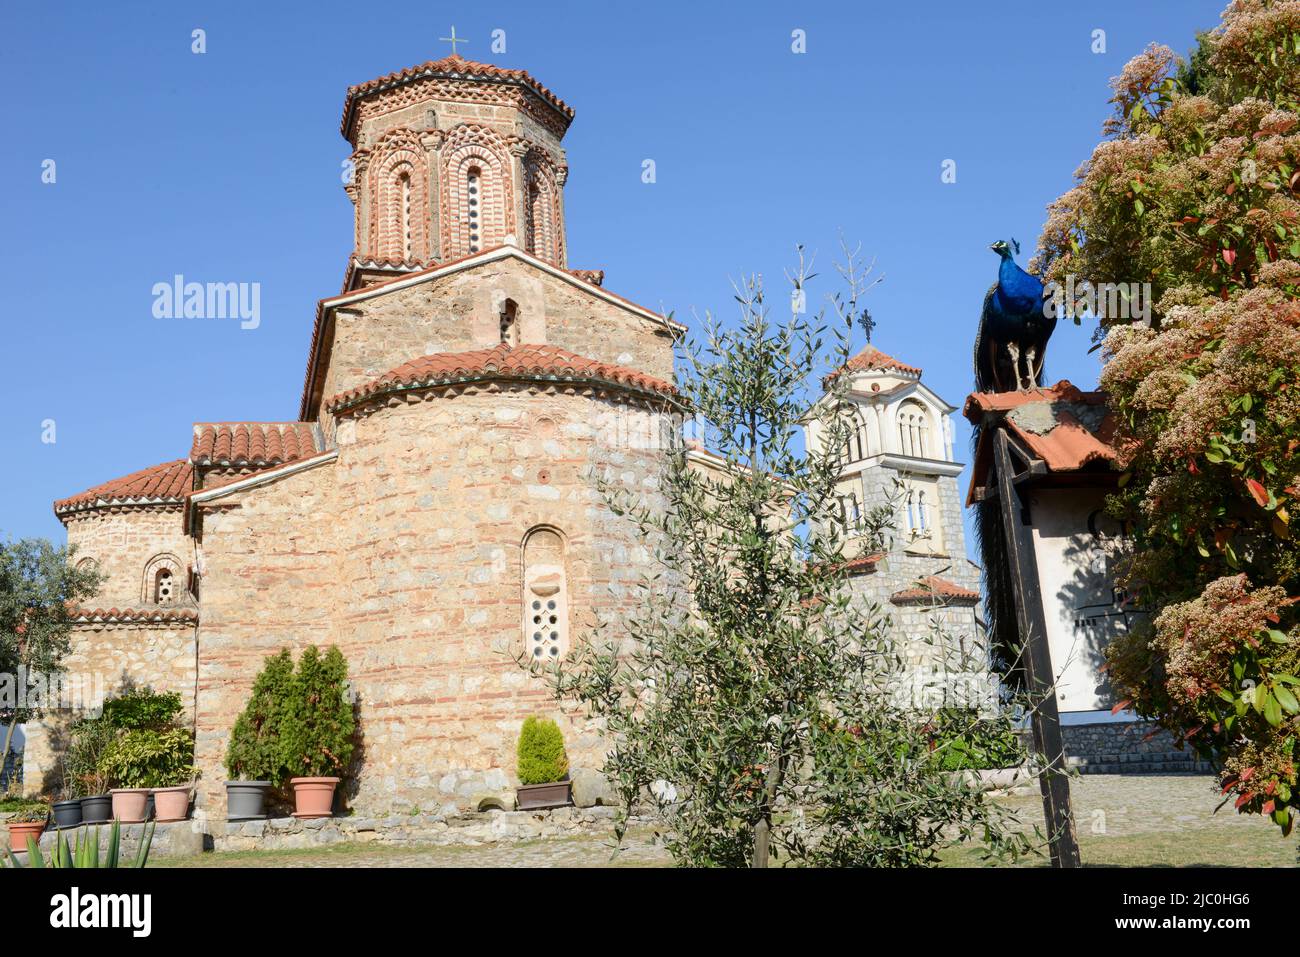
(473, 213)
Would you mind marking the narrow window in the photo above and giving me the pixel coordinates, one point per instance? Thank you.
(509, 327)
(473, 211)
(921, 515)
(164, 585)
(546, 614)
(404, 185)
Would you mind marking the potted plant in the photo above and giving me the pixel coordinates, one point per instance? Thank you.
(88, 739)
(253, 753)
(147, 753)
(172, 801)
(67, 812)
(316, 733)
(28, 821)
(543, 766)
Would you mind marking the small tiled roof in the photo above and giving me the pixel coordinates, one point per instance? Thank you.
(862, 564)
(526, 362)
(594, 276)
(252, 443)
(452, 67)
(133, 615)
(935, 590)
(872, 358)
(1066, 428)
(158, 484)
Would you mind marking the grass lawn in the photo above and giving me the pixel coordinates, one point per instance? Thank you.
(1157, 821)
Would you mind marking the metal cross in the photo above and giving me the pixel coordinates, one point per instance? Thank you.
(453, 39)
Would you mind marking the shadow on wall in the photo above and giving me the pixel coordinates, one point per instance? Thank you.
(1089, 597)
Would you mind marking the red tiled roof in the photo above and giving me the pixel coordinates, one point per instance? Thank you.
(935, 590)
(140, 615)
(862, 564)
(872, 358)
(1064, 427)
(165, 483)
(501, 362)
(451, 67)
(252, 443)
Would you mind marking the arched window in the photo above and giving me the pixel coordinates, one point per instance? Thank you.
(399, 206)
(163, 584)
(474, 206)
(542, 234)
(477, 192)
(922, 517)
(913, 430)
(909, 505)
(546, 598)
(509, 324)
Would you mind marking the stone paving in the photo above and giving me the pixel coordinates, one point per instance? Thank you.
(1112, 805)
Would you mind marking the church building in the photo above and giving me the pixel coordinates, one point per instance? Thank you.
(431, 509)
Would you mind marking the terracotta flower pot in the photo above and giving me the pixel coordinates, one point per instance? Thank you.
(171, 804)
(313, 797)
(130, 804)
(18, 834)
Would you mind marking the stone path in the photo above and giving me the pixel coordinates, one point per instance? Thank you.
(1105, 806)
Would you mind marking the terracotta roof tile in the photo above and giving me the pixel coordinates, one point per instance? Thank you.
(252, 443)
(158, 484)
(862, 565)
(935, 590)
(872, 358)
(452, 67)
(141, 615)
(594, 276)
(1066, 428)
(501, 362)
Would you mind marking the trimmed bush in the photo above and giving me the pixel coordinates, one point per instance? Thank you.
(254, 752)
(542, 759)
(319, 723)
(142, 708)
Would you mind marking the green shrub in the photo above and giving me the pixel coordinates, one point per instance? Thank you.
(254, 752)
(87, 741)
(963, 741)
(318, 724)
(142, 708)
(541, 754)
(150, 758)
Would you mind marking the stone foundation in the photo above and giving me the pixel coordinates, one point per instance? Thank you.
(287, 833)
(1132, 747)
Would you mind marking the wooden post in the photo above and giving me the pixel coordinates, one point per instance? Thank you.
(1037, 660)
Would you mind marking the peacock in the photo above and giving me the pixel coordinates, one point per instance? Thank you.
(1014, 328)
(1015, 324)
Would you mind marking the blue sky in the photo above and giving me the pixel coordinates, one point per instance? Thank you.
(225, 167)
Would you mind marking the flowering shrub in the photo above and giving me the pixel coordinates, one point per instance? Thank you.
(1196, 190)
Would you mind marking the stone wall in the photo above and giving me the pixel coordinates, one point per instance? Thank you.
(106, 659)
(1127, 747)
(406, 553)
(122, 540)
(461, 312)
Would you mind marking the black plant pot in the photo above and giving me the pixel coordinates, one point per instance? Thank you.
(97, 809)
(67, 813)
(148, 807)
(246, 800)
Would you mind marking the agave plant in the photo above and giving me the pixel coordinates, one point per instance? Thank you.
(84, 851)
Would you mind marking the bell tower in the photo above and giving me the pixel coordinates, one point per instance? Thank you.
(450, 158)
